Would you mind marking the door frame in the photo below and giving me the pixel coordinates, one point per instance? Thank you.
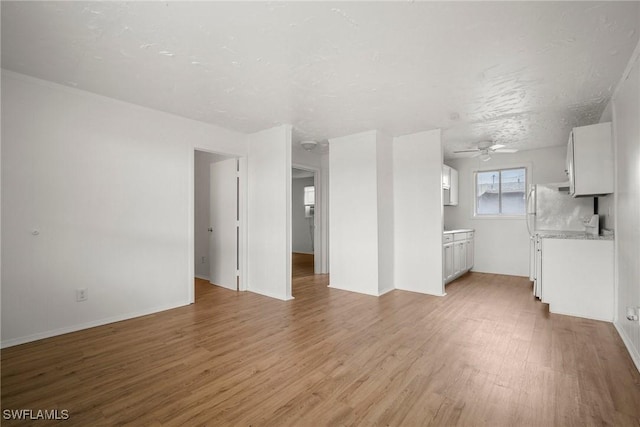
(242, 202)
(320, 255)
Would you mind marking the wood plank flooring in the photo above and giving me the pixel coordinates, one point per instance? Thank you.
(487, 354)
(301, 265)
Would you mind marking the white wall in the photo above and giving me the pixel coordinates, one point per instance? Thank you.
(386, 213)
(417, 161)
(353, 213)
(300, 231)
(502, 245)
(109, 186)
(626, 110)
(606, 204)
(323, 250)
(606, 211)
(386, 253)
(269, 212)
(201, 202)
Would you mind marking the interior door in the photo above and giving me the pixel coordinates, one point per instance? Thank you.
(223, 231)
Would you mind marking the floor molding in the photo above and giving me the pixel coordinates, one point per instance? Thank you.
(79, 327)
(633, 352)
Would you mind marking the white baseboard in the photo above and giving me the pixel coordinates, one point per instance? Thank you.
(386, 291)
(74, 328)
(421, 292)
(198, 276)
(333, 286)
(270, 295)
(633, 352)
(572, 314)
(225, 287)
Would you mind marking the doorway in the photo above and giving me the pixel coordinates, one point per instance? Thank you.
(303, 222)
(217, 220)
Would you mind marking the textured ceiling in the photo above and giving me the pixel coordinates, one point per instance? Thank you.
(516, 73)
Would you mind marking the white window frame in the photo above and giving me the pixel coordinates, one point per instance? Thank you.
(500, 169)
(306, 193)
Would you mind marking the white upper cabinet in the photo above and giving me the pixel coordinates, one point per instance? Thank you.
(590, 160)
(446, 177)
(449, 186)
(453, 190)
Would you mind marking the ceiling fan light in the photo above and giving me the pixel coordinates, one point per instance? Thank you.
(485, 157)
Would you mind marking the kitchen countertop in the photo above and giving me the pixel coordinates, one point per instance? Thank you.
(577, 235)
(460, 230)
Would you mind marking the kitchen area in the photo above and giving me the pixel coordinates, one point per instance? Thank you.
(563, 228)
(457, 244)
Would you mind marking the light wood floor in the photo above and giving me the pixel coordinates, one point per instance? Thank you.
(301, 265)
(486, 354)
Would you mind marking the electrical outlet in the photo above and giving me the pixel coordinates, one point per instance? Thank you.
(82, 294)
(202, 260)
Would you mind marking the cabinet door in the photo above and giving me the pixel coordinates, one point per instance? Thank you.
(446, 177)
(453, 190)
(459, 257)
(592, 160)
(532, 261)
(569, 165)
(469, 246)
(447, 260)
(582, 284)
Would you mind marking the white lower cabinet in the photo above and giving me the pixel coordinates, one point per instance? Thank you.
(470, 253)
(457, 254)
(459, 257)
(537, 282)
(578, 277)
(447, 258)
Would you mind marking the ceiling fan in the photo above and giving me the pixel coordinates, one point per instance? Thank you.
(485, 148)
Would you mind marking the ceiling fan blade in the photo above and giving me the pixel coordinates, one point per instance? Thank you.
(505, 150)
(467, 151)
(496, 147)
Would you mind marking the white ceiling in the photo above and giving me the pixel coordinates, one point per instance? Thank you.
(517, 73)
(300, 173)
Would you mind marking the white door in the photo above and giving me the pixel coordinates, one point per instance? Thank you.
(223, 231)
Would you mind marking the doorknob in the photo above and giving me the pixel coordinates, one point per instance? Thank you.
(210, 230)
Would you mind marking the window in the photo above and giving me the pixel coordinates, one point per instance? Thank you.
(309, 201)
(501, 192)
(309, 195)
